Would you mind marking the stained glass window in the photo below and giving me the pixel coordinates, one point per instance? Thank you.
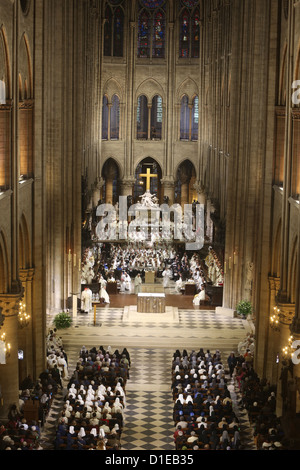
(105, 118)
(108, 31)
(152, 3)
(196, 34)
(184, 119)
(184, 34)
(144, 35)
(189, 29)
(158, 35)
(195, 118)
(156, 118)
(151, 30)
(189, 3)
(115, 118)
(113, 31)
(118, 33)
(142, 117)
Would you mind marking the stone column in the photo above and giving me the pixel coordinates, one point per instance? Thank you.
(168, 187)
(97, 191)
(26, 334)
(273, 334)
(109, 191)
(9, 372)
(286, 317)
(127, 186)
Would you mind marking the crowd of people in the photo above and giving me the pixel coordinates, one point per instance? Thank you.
(19, 432)
(258, 398)
(203, 412)
(93, 414)
(123, 264)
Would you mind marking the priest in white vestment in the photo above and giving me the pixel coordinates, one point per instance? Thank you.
(86, 300)
(103, 292)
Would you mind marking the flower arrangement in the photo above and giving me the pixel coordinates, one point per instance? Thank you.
(62, 320)
(244, 308)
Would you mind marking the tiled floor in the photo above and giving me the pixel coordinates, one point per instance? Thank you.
(148, 416)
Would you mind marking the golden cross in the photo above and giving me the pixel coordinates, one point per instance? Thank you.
(148, 177)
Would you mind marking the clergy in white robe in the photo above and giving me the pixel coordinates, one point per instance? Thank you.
(103, 293)
(86, 300)
(166, 277)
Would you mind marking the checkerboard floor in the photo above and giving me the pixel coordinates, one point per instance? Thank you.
(148, 423)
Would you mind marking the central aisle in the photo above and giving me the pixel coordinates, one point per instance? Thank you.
(148, 415)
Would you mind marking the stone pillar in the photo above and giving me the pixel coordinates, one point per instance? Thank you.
(168, 187)
(127, 186)
(109, 191)
(273, 335)
(26, 334)
(184, 194)
(9, 372)
(286, 316)
(97, 192)
(209, 222)
(201, 196)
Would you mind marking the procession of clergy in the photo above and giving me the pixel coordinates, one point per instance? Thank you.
(126, 265)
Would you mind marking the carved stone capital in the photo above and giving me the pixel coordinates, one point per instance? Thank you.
(295, 328)
(100, 183)
(199, 188)
(26, 274)
(274, 283)
(287, 313)
(9, 303)
(168, 182)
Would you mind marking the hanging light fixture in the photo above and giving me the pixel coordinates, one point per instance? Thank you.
(7, 346)
(23, 317)
(287, 351)
(274, 319)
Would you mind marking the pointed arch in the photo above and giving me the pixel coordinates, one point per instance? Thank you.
(4, 266)
(293, 271)
(24, 244)
(282, 83)
(276, 255)
(6, 72)
(142, 117)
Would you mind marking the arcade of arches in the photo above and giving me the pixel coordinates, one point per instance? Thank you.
(196, 102)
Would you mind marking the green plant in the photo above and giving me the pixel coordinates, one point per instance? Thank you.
(244, 307)
(62, 320)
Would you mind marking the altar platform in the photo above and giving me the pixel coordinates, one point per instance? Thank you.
(131, 315)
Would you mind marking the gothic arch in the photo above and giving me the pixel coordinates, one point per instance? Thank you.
(111, 88)
(116, 162)
(297, 65)
(4, 266)
(276, 253)
(26, 66)
(188, 87)
(6, 62)
(150, 88)
(282, 84)
(293, 271)
(188, 161)
(24, 244)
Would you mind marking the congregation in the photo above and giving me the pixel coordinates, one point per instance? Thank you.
(20, 432)
(205, 415)
(123, 263)
(92, 417)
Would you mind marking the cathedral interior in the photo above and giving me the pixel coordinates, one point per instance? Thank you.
(196, 102)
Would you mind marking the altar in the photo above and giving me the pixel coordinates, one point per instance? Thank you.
(149, 277)
(151, 303)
